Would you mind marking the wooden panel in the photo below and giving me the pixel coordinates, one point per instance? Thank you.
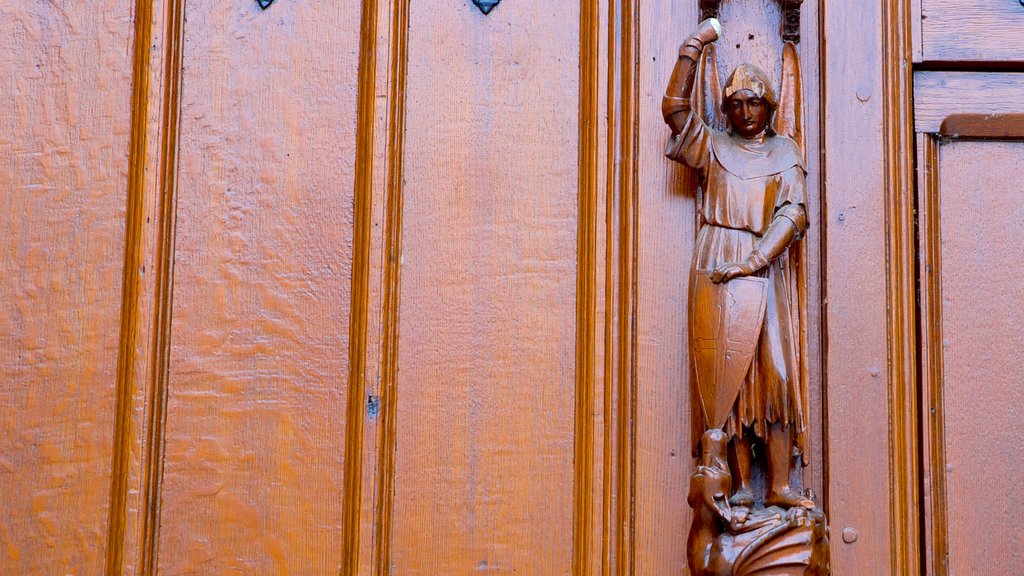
(938, 95)
(258, 358)
(64, 147)
(485, 389)
(975, 327)
(666, 236)
(855, 295)
(968, 30)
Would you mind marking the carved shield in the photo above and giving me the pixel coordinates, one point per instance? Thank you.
(725, 324)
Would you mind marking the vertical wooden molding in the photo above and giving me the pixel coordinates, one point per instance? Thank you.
(901, 284)
(917, 45)
(822, 335)
(392, 289)
(629, 87)
(361, 247)
(586, 286)
(933, 433)
(159, 371)
(159, 345)
(609, 476)
(134, 225)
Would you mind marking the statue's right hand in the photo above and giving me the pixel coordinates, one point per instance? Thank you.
(708, 31)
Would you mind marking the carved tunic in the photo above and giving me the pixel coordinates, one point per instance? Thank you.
(747, 184)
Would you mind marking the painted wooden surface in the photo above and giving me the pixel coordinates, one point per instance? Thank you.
(63, 171)
(974, 330)
(855, 289)
(965, 31)
(258, 345)
(666, 238)
(939, 94)
(496, 270)
(999, 127)
(484, 465)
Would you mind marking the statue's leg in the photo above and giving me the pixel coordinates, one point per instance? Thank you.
(778, 365)
(740, 460)
(780, 459)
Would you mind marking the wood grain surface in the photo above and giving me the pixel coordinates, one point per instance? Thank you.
(484, 465)
(63, 148)
(665, 231)
(938, 95)
(975, 220)
(998, 126)
(258, 344)
(965, 31)
(855, 292)
(483, 211)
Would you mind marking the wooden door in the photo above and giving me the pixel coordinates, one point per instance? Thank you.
(968, 99)
(377, 287)
(398, 287)
(970, 189)
(972, 367)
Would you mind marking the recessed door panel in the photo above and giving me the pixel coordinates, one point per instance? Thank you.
(486, 340)
(257, 367)
(974, 362)
(64, 139)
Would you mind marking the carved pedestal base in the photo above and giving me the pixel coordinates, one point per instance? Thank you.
(728, 540)
(784, 542)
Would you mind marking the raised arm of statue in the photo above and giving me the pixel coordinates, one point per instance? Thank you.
(675, 106)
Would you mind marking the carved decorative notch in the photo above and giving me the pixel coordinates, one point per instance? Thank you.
(791, 20)
(790, 16)
(709, 9)
(486, 6)
(264, 4)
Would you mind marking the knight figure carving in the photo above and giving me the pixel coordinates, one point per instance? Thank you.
(746, 307)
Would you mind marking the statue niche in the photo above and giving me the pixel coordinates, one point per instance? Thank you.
(747, 304)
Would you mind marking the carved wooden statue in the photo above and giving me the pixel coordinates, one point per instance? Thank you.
(747, 301)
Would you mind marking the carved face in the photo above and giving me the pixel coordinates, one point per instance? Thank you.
(748, 113)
